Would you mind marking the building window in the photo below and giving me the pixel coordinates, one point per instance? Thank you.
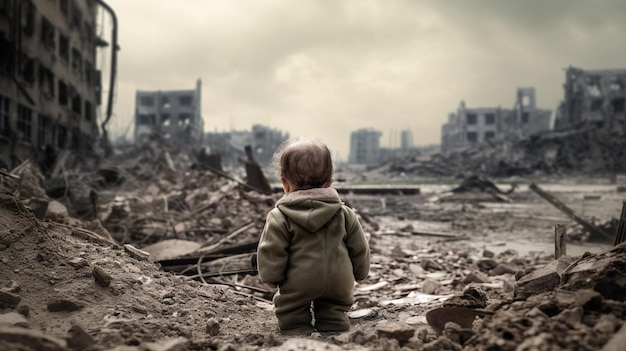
(165, 120)
(5, 113)
(47, 33)
(65, 7)
(46, 82)
(43, 129)
(165, 102)
(61, 137)
(88, 111)
(27, 68)
(185, 100)
(490, 135)
(490, 118)
(146, 101)
(618, 105)
(77, 62)
(64, 48)
(525, 117)
(77, 17)
(63, 99)
(24, 122)
(184, 119)
(77, 105)
(28, 17)
(472, 137)
(596, 104)
(148, 120)
(6, 59)
(88, 72)
(471, 118)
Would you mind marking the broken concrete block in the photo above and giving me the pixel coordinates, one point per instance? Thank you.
(101, 276)
(13, 319)
(543, 279)
(398, 331)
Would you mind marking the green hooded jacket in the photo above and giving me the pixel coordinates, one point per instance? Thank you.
(312, 241)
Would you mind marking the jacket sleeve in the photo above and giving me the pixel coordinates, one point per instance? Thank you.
(272, 252)
(357, 245)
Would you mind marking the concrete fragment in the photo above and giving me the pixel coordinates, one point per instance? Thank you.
(302, 344)
(617, 341)
(543, 279)
(13, 319)
(101, 276)
(213, 327)
(9, 300)
(60, 305)
(398, 331)
(79, 339)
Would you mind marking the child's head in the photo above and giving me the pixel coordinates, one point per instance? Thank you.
(304, 163)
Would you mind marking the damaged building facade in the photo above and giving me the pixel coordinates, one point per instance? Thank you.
(469, 126)
(49, 85)
(364, 147)
(593, 97)
(231, 145)
(173, 114)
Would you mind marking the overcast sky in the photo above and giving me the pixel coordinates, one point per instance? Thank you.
(328, 67)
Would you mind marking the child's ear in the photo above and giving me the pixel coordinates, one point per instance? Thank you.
(328, 183)
(285, 183)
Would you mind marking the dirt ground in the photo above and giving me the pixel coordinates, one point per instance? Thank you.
(74, 290)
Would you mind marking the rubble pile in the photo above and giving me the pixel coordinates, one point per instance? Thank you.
(588, 151)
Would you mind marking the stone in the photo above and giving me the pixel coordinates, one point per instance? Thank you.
(13, 319)
(32, 339)
(60, 305)
(9, 300)
(213, 327)
(79, 339)
(398, 331)
(102, 278)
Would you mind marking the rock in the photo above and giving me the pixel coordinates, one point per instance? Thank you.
(79, 339)
(476, 277)
(64, 305)
(503, 268)
(176, 344)
(398, 331)
(617, 341)
(302, 344)
(136, 253)
(13, 319)
(102, 278)
(9, 300)
(543, 279)
(213, 327)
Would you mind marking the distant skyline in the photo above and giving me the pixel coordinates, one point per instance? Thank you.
(327, 68)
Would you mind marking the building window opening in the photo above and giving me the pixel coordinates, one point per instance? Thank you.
(27, 68)
(88, 111)
(618, 105)
(490, 118)
(28, 17)
(596, 104)
(185, 100)
(165, 102)
(165, 120)
(43, 127)
(46, 82)
(64, 48)
(24, 122)
(617, 85)
(77, 105)
(490, 135)
(77, 62)
(472, 137)
(525, 117)
(6, 59)
(88, 72)
(472, 118)
(146, 101)
(63, 98)
(184, 119)
(47, 33)
(5, 112)
(146, 120)
(593, 89)
(61, 137)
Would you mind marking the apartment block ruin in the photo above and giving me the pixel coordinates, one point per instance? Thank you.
(469, 126)
(593, 97)
(173, 114)
(49, 85)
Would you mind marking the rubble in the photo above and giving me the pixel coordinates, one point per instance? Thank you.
(157, 252)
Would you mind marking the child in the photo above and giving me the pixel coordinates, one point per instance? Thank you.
(312, 247)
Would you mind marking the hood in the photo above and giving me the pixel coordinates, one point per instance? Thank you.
(310, 208)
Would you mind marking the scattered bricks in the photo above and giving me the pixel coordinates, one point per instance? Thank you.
(212, 327)
(79, 339)
(61, 305)
(9, 300)
(102, 278)
(136, 253)
(398, 331)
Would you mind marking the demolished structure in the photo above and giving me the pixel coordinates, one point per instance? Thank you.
(173, 114)
(470, 126)
(50, 86)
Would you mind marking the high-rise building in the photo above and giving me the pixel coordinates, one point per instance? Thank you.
(364, 147)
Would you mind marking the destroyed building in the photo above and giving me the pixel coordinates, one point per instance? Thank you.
(592, 97)
(172, 114)
(230, 145)
(470, 126)
(50, 88)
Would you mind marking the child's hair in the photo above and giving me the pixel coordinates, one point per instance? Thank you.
(305, 162)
